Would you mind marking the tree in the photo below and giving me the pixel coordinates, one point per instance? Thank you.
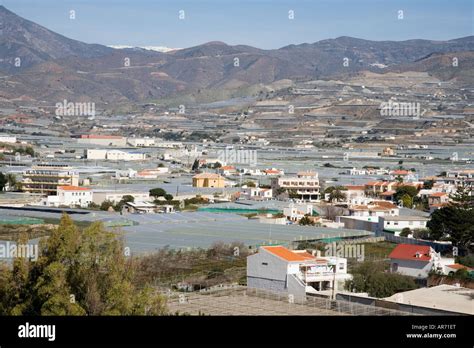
(125, 199)
(337, 195)
(411, 191)
(455, 222)
(168, 197)
(405, 232)
(157, 192)
(195, 165)
(105, 205)
(370, 277)
(3, 181)
(305, 221)
(78, 273)
(428, 184)
(407, 201)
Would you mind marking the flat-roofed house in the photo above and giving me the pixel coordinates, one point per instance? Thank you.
(70, 196)
(296, 272)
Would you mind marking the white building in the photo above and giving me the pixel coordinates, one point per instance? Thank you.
(296, 272)
(114, 155)
(304, 184)
(100, 196)
(397, 223)
(294, 212)
(70, 196)
(417, 260)
(7, 139)
(256, 193)
(374, 209)
(141, 142)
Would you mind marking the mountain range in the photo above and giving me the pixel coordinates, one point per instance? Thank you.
(37, 64)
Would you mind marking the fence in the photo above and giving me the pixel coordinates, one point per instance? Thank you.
(398, 239)
(239, 300)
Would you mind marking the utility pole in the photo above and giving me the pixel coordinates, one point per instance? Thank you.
(334, 283)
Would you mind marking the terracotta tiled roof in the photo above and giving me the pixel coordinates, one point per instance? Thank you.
(459, 266)
(207, 176)
(287, 254)
(409, 252)
(97, 136)
(354, 187)
(73, 188)
(438, 194)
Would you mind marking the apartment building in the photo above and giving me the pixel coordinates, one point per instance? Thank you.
(45, 178)
(305, 185)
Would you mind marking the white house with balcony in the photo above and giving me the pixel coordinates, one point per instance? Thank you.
(305, 185)
(296, 272)
(256, 193)
(295, 212)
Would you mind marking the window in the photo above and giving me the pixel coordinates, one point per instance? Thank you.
(264, 263)
(341, 266)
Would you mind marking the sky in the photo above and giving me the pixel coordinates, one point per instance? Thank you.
(260, 23)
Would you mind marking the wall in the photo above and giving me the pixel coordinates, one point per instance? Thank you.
(418, 269)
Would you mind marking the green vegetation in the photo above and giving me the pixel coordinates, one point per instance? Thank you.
(14, 149)
(405, 232)
(157, 192)
(77, 273)
(305, 221)
(221, 263)
(455, 222)
(405, 191)
(14, 232)
(371, 277)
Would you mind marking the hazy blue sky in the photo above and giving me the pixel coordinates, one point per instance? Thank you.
(260, 23)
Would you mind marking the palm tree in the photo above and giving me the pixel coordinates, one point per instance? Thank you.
(337, 195)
